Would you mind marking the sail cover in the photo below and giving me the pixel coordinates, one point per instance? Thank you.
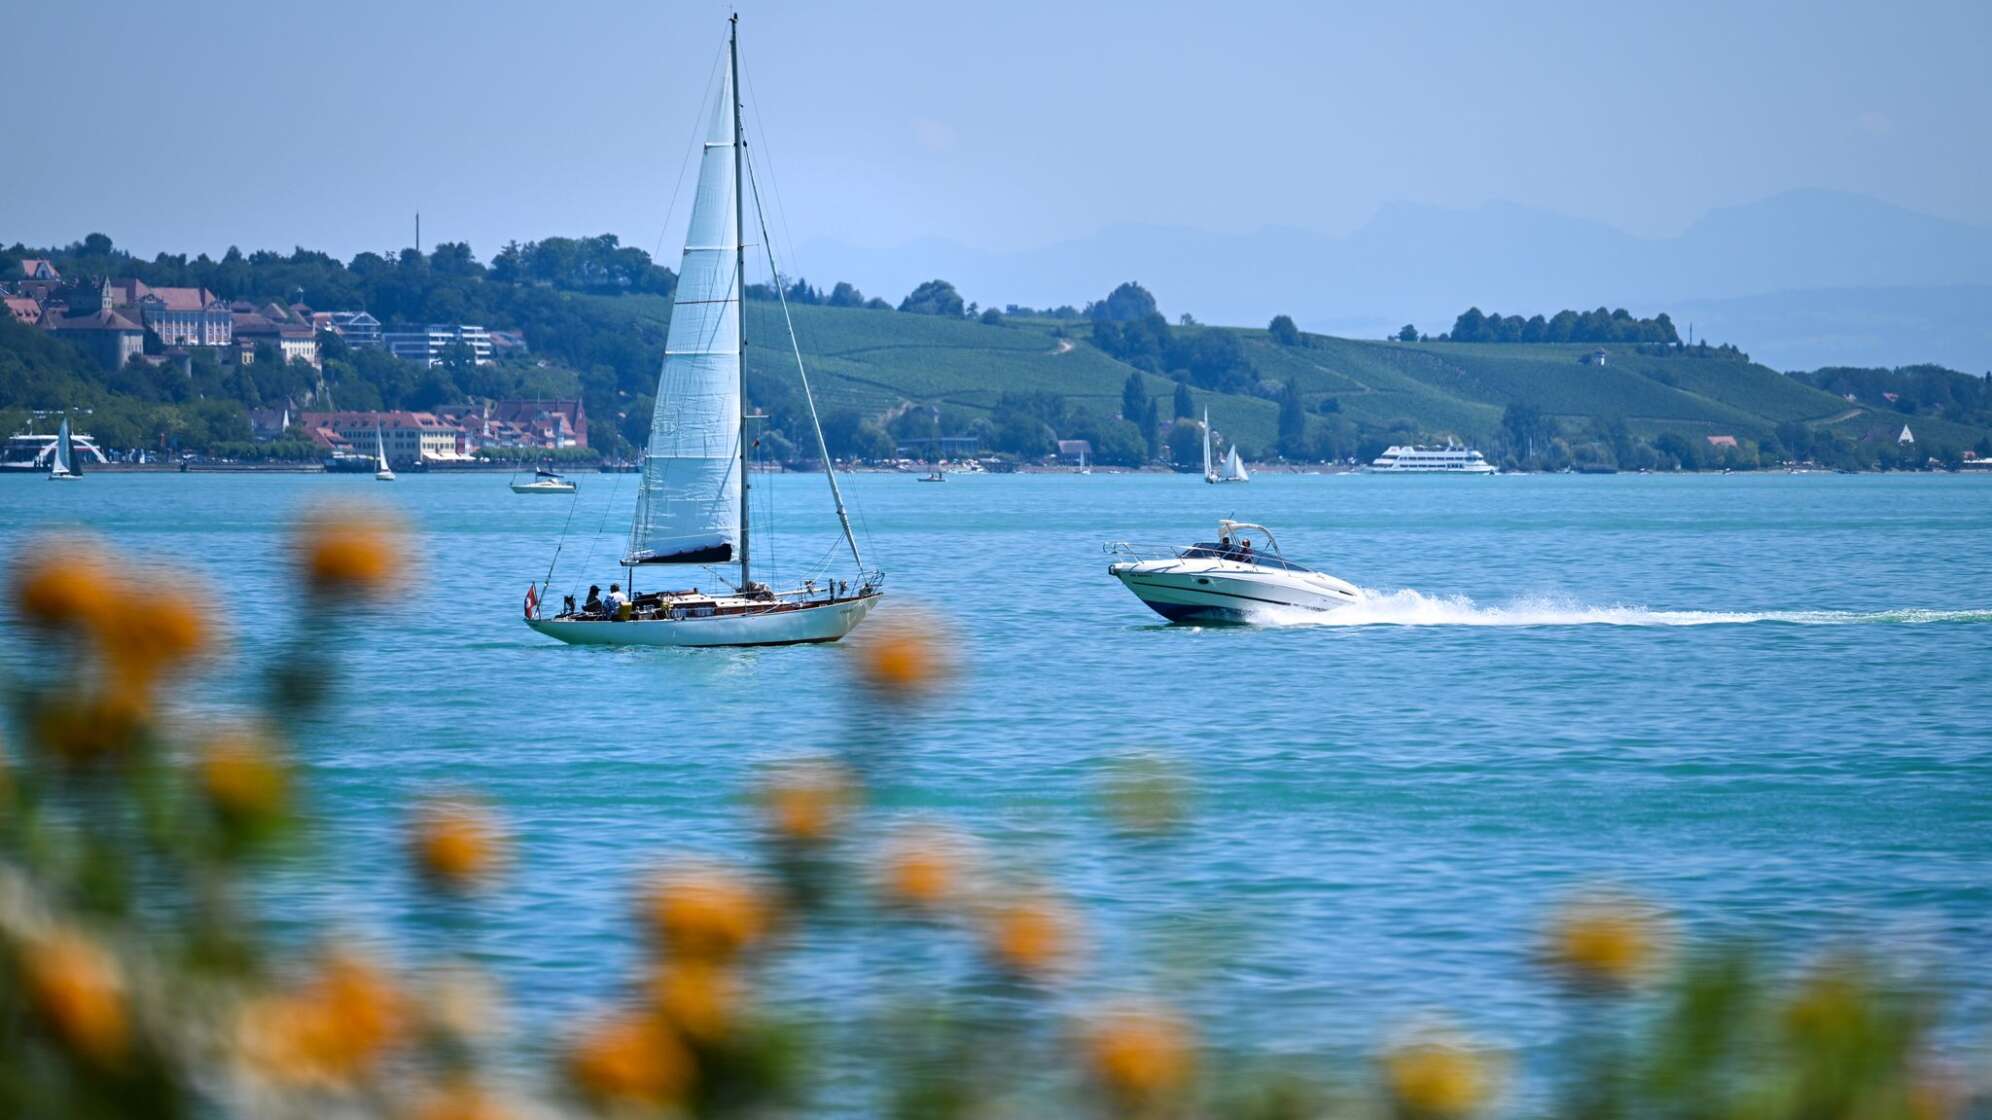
(688, 505)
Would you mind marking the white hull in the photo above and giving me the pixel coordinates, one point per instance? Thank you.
(63, 476)
(1203, 590)
(816, 622)
(1479, 469)
(383, 476)
(543, 488)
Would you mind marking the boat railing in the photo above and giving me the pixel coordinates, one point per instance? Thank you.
(1138, 551)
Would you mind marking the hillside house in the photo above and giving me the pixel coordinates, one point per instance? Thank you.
(1720, 442)
(39, 270)
(1069, 450)
(108, 336)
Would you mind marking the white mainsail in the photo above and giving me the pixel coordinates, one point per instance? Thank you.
(380, 449)
(65, 455)
(1209, 474)
(688, 506)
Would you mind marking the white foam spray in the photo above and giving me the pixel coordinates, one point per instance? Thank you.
(1406, 607)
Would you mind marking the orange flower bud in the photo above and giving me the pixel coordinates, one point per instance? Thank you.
(79, 990)
(457, 843)
(708, 915)
(631, 1058)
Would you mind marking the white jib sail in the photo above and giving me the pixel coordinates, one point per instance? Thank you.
(1234, 466)
(688, 504)
(1208, 473)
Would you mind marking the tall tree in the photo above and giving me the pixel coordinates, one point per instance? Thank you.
(935, 297)
(1184, 405)
(1283, 330)
(1293, 423)
(1134, 398)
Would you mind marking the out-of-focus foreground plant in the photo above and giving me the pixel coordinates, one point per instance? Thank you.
(135, 981)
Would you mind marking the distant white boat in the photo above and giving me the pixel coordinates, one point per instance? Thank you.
(1083, 468)
(382, 472)
(1449, 459)
(544, 482)
(934, 476)
(62, 466)
(1234, 466)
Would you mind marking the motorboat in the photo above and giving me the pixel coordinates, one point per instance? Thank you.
(692, 505)
(1229, 580)
(934, 476)
(1234, 467)
(544, 482)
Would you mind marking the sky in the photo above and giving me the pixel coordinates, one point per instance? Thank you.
(191, 128)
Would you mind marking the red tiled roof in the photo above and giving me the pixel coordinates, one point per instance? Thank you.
(398, 421)
(24, 309)
(1722, 441)
(105, 320)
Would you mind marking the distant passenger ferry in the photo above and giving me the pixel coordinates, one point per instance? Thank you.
(1432, 460)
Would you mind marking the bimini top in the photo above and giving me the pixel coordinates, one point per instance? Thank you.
(1230, 531)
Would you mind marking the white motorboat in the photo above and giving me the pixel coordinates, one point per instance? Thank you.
(62, 464)
(691, 504)
(1234, 467)
(544, 482)
(1449, 459)
(382, 472)
(1229, 580)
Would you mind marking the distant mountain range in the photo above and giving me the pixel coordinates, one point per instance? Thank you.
(1801, 279)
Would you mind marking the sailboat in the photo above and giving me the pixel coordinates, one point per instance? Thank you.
(382, 472)
(1083, 468)
(1234, 467)
(691, 506)
(62, 466)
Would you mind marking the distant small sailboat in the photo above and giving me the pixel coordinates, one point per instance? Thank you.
(545, 481)
(1234, 466)
(63, 466)
(382, 472)
(1083, 468)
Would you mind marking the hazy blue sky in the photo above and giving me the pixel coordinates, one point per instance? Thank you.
(194, 126)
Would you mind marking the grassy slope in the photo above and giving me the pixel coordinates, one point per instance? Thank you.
(874, 360)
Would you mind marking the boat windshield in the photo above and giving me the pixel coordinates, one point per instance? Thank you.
(1210, 550)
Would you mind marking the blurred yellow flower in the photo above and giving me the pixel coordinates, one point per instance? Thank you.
(701, 999)
(243, 779)
(1604, 940)
(804, 802)
(60, 585)
(902, 660)
(705, 914)
(1140, 1055)
(1029, 936)
(150, 628)
(1832, 1006)
(922, 867)
(631, 1058)
(1436, 1078)
(457, 842)
(331, 1031)
(460, 1100)
(350, 551)
(78, 989)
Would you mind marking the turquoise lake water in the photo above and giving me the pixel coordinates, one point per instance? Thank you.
(1763, 702)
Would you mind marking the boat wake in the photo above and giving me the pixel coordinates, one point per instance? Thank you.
(1406, 607)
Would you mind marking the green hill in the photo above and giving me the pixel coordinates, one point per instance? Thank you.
(875, 361)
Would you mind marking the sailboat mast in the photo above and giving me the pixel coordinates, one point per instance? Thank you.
(739, 274)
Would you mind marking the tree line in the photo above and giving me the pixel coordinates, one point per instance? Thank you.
(1598, 325)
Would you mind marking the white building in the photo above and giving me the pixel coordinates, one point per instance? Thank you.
(429, 344)
(360, 330)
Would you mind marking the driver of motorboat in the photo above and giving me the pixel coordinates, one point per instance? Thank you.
(1245, 550)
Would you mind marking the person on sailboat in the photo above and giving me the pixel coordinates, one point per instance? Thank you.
(617, 601)
(594, 603)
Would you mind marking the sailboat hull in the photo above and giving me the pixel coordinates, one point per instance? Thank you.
(814, 622)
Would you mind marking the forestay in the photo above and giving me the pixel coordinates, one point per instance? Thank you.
(688, 505)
